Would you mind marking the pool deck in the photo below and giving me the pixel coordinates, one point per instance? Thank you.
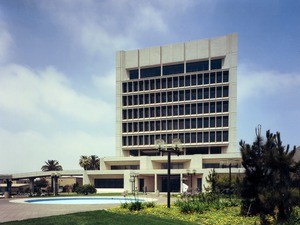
(10, 211)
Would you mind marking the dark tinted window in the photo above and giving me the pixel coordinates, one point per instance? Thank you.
(196, 66)
(150, 72)
(133, 74)
(173, 69)
(216, 64)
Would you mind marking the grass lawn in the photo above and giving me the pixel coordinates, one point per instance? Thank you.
(99, 217)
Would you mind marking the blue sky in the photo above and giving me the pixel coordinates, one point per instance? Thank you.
(57, 69)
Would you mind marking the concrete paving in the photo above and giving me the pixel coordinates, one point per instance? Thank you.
(10, 211)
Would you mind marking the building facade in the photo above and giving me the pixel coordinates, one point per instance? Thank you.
(185, 91)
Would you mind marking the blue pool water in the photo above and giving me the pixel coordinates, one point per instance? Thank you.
(83, 200)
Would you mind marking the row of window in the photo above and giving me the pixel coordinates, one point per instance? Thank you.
(176, 110)
(175, 96)
(175, 68)
(176, 81)
(186, 138)
(176, 124)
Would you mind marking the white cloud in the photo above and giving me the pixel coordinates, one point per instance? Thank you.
(254, 84)
(38, 94)
(34, 148)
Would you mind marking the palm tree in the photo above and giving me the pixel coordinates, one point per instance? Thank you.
(84, 162)
(51, 165)
(89, 162)
(94, 162)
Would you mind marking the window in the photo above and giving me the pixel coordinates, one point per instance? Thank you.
(129, 85)
(163, 111)
(199, 137)
(219, 107)
(109, 183)
(169, 82)
(146, 98)
(225, 76)
(194, 94)
(130, 140)
(193, 109)
(196, 66)
(187, 138)
(187, 80)
(124, 100)
(219, 77)
(129, 113)
(219, 136)
(212, 92)
(175, 96)
(181, 81)
(181, 109)
(146, 112)
(152, 109)
(151, 125)
(157, 83)
(181, 124)
(135, 100)
(212, 107)
(141, 113)
(225, 136)
(225, 91)
(133, 74)
(163, 83)
(175, 82)
(187, 109)
(187, 123)
(141, 99)
(205, 137)
(219, 92)
(157, 95)
(212, 137)
(169, 125)
(129, 100)
(163, 96)
(157, 125)
(124, 112)
(152, 98)
(150, 72)
(193, 123)
(219, 121)
(199, 91)
(136, 86)
(135, 113)
(175, 124)
(199, 122)
(215, 150)
(225, 121)
(152, 84)
(135, 127)
(169, 96)
(175, 110)
(147, 126)
(206, 93)
(212, 122)
(206, 107)
(212, 78)
(169, 110)
(124, 87)
(206, 78)
(225, 106)
(187, 95)
(205, 122)
(200, 79)
(173, 69)
(181, 95)
(146, 85)
(194, 80)
(193, 138)
(124, 127)
(141, 127)
(199, 106)
(141, 86)
(124, 141)
(163, 125)
(157, 111)
(216, 64)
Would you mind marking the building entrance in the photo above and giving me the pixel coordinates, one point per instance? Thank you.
(174, 183)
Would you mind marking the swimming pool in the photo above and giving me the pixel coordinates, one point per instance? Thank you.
(79, 200)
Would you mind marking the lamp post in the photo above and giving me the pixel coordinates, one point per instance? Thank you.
(133, 176)
(191, 177)
(176, 148)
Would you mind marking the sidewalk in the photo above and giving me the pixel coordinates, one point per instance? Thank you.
(20, 211)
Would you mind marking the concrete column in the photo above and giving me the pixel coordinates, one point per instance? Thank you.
(31, 184)
(7, 193)
(155, 182)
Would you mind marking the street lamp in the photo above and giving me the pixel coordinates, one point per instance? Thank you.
(176, 148)
(133, 176)
(191, 177)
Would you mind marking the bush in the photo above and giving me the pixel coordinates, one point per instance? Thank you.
(86, 189)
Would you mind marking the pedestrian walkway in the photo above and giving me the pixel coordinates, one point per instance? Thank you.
(10, 211)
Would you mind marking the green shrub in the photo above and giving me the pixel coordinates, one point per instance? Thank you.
(86, 189)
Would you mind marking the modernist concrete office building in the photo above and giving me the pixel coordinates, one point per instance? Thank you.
(183, 90)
